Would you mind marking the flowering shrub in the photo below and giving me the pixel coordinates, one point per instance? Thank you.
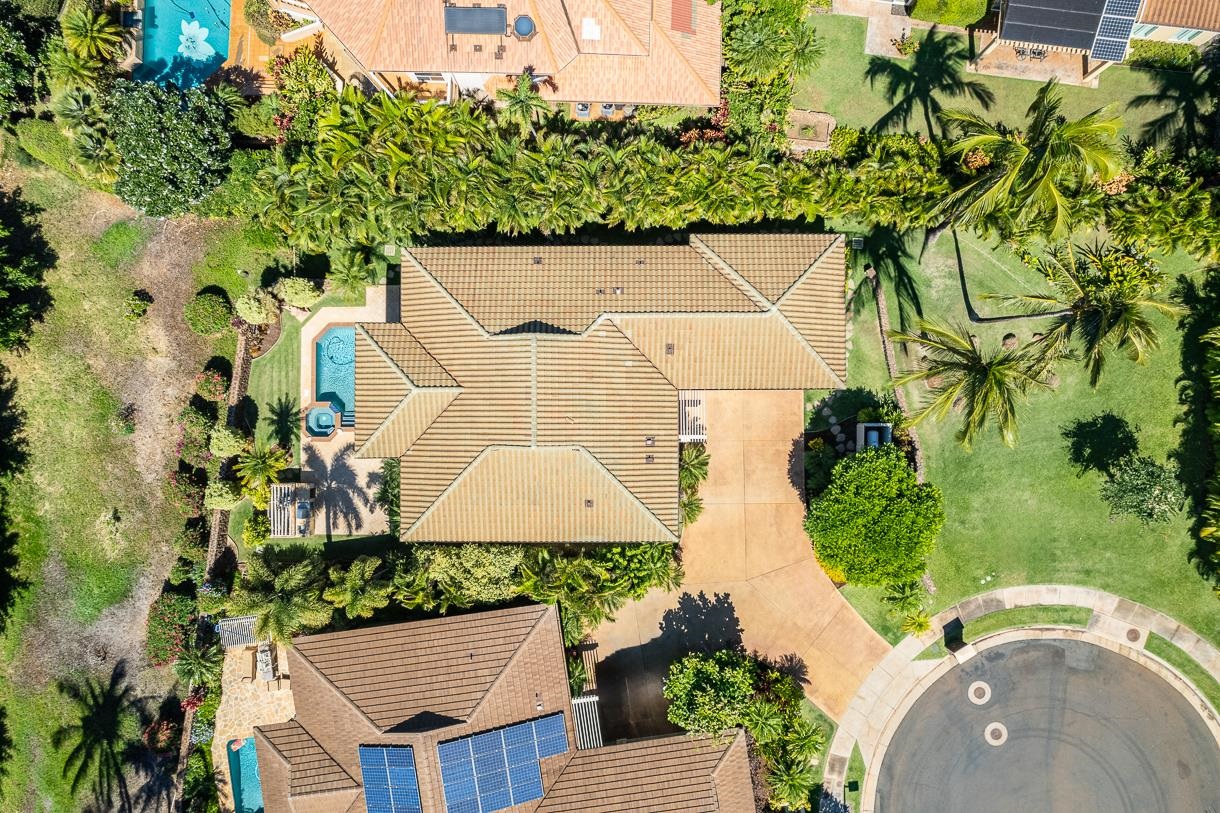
(182, 492)
(208, 314)
(170, 620)
(211, 385)
(195, 699)
(161, 736)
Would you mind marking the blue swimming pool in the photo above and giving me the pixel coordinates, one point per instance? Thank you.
(335, 371)
(243, 773)
(185, 41)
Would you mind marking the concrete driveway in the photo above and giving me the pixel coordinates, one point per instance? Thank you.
(750, 578)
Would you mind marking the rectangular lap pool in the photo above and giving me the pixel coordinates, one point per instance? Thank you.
(243, 774)
(335, 371)
(185, 41)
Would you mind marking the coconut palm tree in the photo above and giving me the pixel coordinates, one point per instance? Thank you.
(1101, 299)
(285, 598)
(692, 465)
(92, 34)
(522, 102)
(200, 664)
(259, 466)
(764, 719)
(108, 718)
(932, 74)
(1028, 180)
(358, 591)
(987, 384)
(791, 781)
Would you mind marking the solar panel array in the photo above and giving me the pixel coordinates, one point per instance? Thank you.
(390, 781)
(1114, 31)
(499, 769)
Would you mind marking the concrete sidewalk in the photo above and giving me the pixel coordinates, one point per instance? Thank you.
(750, 577)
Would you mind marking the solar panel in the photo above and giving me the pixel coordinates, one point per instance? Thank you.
(498, 769)
(1109, 50)
(390, 782)
(1115, 28)
(1122, 8)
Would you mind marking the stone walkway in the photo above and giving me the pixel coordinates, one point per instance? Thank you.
(245, 703)
(750, 577)
(895, 684)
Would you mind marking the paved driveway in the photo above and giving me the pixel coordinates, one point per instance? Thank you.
(750, 578)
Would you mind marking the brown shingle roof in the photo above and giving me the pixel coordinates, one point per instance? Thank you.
(666, 775)
(311, 769)
(439, 668)
(594, 50)
(536, 349)
(1200, 14)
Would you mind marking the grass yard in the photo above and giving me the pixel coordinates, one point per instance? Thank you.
(1176, 657)
(273, 410)
(839, 87)
(1029, 515)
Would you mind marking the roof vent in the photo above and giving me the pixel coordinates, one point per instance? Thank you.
(669, 348)
(639, 260)
(618, 290)
(649, 458)
(588, 503)
(649, 440)
(478, 48)
(537, 261)
(601, 291)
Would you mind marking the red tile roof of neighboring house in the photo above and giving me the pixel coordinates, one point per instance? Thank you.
(1200, 14)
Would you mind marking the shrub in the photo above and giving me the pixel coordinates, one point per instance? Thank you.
(136, 305)
(16, 70)
(169, 623)
(297, 292)
(258, 307)
(44, 142)
(174, 145)
(183, 571)
(184, 494)
(199, 794)
(211, 385)
(820, 459)
(484, 574)
(258, 120)
(266, 22)
(221, 495)
(875, 523)
(1142, 488)
(238, 194)
(257, 531)
(212, 598)
(960, 13)
(707, 694)
(194, 428)
(227, 441)
(123, 421)
(191, 544)
(1166, 56)
(208, 314)
(305, 88)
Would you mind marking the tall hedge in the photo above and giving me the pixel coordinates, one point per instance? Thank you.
(875, 523)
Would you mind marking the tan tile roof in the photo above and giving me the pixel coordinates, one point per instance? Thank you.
(1200, 14)
(536, 350)
(678, 774)
(438, 668)
(311, 769)
(594, 50)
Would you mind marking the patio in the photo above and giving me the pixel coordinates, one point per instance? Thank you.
(998, 58)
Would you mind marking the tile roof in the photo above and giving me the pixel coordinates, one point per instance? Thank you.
(466, 666)
(593, 50)
(570, 348)
(679, 774)
(423, 671)
(1200, 14)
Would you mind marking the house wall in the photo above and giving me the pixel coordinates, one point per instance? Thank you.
(1169, 33)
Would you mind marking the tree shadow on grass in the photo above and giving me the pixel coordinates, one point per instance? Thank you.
(1195, 454)
(26, 299)
(920, 82)
(283, 421)
(889, 251)
(1099, 443)
(1189, 99)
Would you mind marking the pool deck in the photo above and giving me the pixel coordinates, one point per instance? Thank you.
(246, 702)
(249, 55)
(344, 483)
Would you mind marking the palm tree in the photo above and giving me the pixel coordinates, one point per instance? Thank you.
(933, 73)
(690, 506)
(692, 465)
(97, 156)
(259, 466)
(791, 781)
(987, 384)
(109, 716)
(285, 598)
(753, 49)
(1102, 298)
(805, 740)
(522, 102)
(92, 34)
(352, 271)
(229, 96)
(1029, 180)
(200, 665)
(904, 597)
(76, 110)
(802, 50)
(764, 719)
(358, 591)
(916, 623)
(67, 69)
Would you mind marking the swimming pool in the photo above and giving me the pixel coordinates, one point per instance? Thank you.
(335, 371)
(185, 41)
(243, 773)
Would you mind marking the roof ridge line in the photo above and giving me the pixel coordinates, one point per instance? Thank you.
(547, 39)
(401, 406)
(631, 495)
(737, 735)
(783, 317)
(805, 274)
(448, 297)
(681, 56)
(394, 365)
(549, 608)
(461, 475)
(623, 21)
(729, 272)
(342, 695)
(258, 732)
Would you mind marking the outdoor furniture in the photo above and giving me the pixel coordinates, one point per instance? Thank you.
(264, 658)
(1022, 53)
(1038, 54)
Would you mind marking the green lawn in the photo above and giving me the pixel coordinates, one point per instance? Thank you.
(274, 408)
(1027, 515)
(839, 87)
(855, 777)
(1188, 666)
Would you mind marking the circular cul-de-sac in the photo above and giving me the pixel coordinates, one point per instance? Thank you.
(1067, 726)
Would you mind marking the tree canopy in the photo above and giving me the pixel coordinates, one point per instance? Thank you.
(876, 523)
